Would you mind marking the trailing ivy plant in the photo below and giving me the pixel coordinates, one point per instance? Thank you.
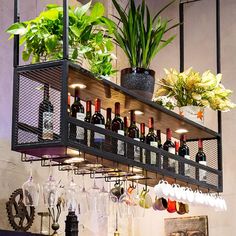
(42, 37)
(138, 34)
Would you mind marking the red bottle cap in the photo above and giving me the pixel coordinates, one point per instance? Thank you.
(97, 105)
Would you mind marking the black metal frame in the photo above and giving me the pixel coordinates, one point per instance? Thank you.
(65, 119)
(218, 69)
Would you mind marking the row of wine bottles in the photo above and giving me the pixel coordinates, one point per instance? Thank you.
(120, 126)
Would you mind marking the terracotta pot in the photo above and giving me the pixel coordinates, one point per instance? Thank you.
(139, 80)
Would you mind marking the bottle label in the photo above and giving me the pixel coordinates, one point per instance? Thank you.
(80, 130)
(136, 151)
(47, 125)
(153, 154)
(121, 144)
(202, 173)
(97, 136)
(172, 162)
(187, 168)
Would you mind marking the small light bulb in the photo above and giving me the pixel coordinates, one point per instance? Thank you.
(181, 131)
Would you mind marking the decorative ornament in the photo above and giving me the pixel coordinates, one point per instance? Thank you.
(20, 217)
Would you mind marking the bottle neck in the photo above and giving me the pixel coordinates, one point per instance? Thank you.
(183, 140)
(125, 125)
(77, 98)
(159, 135)
(46, 92)
(176, 147)
(108, 114)
(168, 134)
(132, 118)
(142, 129)
(117, 109)
(200, 145)
(88, 108)
(151, 124)
(97, 105)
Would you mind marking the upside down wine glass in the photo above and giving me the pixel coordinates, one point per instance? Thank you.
(31, 191)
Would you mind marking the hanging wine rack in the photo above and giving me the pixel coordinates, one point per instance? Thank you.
(60, 75)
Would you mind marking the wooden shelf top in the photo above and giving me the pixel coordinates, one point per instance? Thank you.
(110, 93)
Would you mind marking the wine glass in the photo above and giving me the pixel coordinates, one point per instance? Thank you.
(103, 201)
(71, 193)
(137, 211)
(93, 196)
(50, 190)
(125, 202)
(31, 191)
(83, 199)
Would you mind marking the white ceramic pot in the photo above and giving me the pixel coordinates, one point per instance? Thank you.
(194, 113)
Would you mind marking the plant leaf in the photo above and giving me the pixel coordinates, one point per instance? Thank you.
(97, 11)
(17, 29)
(25, 55)
(76, 31)
(80, 11)
(51, 43)
(165, 7)
(51, 14)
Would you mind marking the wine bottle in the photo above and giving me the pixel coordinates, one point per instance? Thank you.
(108, 121)
(159, 138)
(88, 120)
(45, 122)
(159, 156)
(176, 148)
(99, 121)
(68, 104)
(118, 127)
(77, 111)
(88, 112)
(143, 139)
(108, 147)
(133, 132)
(169, 146)
(177, 153)
(126, 126)
(201, 175)
(184, 152)
(151, 139)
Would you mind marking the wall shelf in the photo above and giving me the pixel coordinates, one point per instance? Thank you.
(60, 75)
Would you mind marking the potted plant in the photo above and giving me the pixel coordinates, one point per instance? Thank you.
(192, 92)
(140, 37)
(42, 37)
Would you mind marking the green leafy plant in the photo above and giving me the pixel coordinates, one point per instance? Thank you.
(141, 36)
(42, 37)
(190, 88)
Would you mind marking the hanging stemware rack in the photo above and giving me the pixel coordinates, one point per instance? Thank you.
(60, 75)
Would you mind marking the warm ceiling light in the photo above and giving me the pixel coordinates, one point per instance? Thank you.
(93, 165)
(73, 152)
(138, 112)
(135, 169)
(181, 131)
(81, 86)
(74, 160)
(136, 177)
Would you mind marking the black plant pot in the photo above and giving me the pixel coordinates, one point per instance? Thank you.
(139, 80)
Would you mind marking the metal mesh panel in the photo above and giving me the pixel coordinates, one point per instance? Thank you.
(142, 155)
(209, 148)
(31, 86)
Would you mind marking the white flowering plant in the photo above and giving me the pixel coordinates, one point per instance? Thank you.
(166, 102)
(190, 88)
